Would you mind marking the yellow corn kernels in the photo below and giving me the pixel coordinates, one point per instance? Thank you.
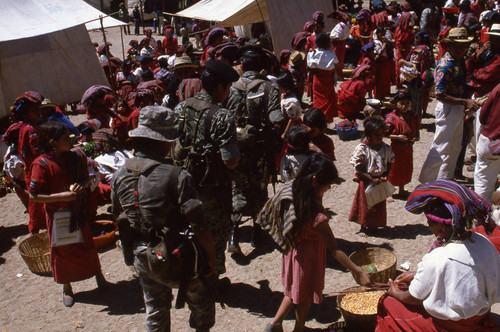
(364, 303)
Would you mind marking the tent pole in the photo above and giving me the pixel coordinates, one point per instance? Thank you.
(110, 77)
(260, 11)
(123, 48)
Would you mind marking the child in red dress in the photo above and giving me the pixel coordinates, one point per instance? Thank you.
(401, 128)
(372, 161)
(298, 210)
(59, 178)
(26, 109)
(119, 122)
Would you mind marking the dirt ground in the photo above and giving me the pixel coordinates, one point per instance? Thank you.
(33, 303)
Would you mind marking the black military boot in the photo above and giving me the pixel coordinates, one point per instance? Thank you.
(234, 239)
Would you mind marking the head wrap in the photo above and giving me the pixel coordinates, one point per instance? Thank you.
(298, 37)
(338, 15)
(318, 16)
(363, 15)
(309, 26)
(214, 34)
(360, 70)
(133, 42)
(24, 99)
(94, 93)
(463, 204)
(401, 94)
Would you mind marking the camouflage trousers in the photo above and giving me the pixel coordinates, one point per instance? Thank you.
(249, 190)
(158, 298)
(217, 210)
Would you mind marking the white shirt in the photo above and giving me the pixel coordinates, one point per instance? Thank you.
(459, 280)
(340, 31)
(108, 163)
(290, 107)
(289, 166)
(378, 48)
(148, 51)
(374, 162)
(322, 59)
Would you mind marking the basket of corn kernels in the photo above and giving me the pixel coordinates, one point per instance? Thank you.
(359, 308)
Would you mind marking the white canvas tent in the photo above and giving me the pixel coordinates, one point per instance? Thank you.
(285, 17)
(45, 46)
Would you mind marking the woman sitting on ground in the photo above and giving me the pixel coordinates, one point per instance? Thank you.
(457, 282)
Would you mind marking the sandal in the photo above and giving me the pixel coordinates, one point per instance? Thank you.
(273, 328)
(68, 299)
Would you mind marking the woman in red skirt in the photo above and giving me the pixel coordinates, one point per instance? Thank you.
(322, 62)
(59, 178)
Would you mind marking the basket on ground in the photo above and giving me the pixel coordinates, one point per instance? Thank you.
(382, 259)
(35, 252)
(357, 321)
(348, 134)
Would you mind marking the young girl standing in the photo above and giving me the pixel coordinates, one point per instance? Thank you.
(120, 119)
(372, 161)
(290, 104)
(298, 222)
(59, 178)
(401, 128)
(26, 109)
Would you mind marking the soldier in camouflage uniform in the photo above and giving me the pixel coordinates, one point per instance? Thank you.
(255, 105)
(209, 141)
(151, 194)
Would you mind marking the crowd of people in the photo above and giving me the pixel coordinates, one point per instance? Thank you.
(187, 143)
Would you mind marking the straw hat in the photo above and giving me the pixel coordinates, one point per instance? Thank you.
(183, 61)
(494, 30)
(47, 103)
(458, 35)
(296, 57)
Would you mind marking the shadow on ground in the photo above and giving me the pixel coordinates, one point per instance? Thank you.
(410, 231)
(7, 236)
(263, 301)
(122, 298)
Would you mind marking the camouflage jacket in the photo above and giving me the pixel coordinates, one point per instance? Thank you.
(221, 133)
(272, 111)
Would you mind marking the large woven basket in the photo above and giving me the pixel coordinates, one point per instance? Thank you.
(357, 322)
(383, 259)
(36, 253)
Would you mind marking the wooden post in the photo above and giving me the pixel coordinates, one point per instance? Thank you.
(110, 78)
(121, 36)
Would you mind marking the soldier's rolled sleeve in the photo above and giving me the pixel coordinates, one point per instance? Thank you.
(274, 106)
(188, 197)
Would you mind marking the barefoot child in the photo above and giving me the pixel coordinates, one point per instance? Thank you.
(59, 178)
(298, 222)
(401, 129)
(372, 160)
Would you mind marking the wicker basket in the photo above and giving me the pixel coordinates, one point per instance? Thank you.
(36, 254)
(382, 259)
(357, 322)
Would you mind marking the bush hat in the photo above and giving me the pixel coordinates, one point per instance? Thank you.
(156, 123)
